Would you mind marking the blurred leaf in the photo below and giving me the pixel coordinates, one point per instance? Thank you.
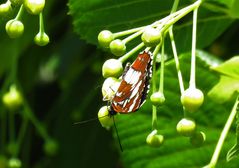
(229, 80)
(176, 150)
(234, 9)
(91, 17)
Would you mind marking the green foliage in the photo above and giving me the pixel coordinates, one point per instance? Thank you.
(176, 150)
(229, 78)
(90, 17)
(61, 84)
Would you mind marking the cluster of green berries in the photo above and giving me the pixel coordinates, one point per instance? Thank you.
(151, 36)
(13, 101)
(15, 27)
(191, 99)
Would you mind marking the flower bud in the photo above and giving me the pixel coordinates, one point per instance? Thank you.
(104, 38)
(117, 47)
(109, 88)
(186, 127)
(192, 99)
(154, 139)
(112, 68)
(104, 117)
(14, 28)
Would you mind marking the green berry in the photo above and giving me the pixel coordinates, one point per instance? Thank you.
(109, 88)
(186, 127)
(5, 8)
(12, 99)
(34, 7)
(105, 37)
(105, 119)
(198, 139)
(151, 37)
(51, 147)
(192, 99)
(154, 139)
(41, 39)
(157, 98)
(117, 47)
(112, 68)
(14, 163)
(14, 28)
(16, 2)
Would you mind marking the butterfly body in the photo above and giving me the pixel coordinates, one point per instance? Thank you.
(134, 86)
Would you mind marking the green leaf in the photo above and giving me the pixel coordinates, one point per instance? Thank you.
(234, 9)
(91, 17)
(229, 81)
(176, 150)
(229, 68)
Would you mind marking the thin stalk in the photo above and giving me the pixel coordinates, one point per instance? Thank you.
(41, 23)
(192, 82)
(169, 20)
(42, 131)
(154, 79)
(20, 13)
(131, 52)
(21, 134)
(161, 83)
(177, 64)
(223, 136)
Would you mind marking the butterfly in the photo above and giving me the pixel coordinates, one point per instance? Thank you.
(134, 87)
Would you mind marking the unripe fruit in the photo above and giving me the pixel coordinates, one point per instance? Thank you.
(186, 127)
(12, 99)
(51, 147)
(104, 38)
(157, 98)
(154, 139)
(192, 99)
(34, 6)
(198, 139)
(112, 68)
(14, 28)
(14, 163)
(41, 39)
(5, 8)
(104, 117)
(117, 47)
(109, 88)
(151, 37)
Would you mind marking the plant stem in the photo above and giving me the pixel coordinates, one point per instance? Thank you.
(29, 114)
(41, 23)
(20, 13)
(165, 22)
(192, 82)
(154, 79)
(161, 82)
(21, 134)
(180, 78)
(223, 136)
(131, 52)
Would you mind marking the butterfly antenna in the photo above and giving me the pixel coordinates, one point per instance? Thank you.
(121, 148)
(90, 120)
